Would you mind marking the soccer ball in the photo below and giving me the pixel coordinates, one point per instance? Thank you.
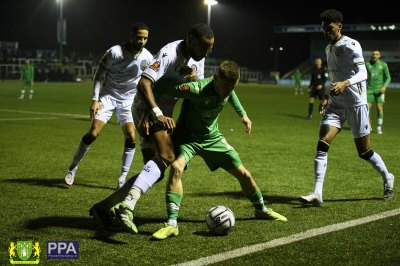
(220, 220)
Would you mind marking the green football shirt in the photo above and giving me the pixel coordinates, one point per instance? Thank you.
(378, 76)
(27, 73)
(201, 107)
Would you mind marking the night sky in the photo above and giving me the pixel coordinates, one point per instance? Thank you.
(243, 29)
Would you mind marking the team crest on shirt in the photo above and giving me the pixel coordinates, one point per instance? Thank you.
(184, 87)
(143, 65)
(194, 67)
(155, 66)
(339, 51)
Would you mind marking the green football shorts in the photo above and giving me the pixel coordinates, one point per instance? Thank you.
(216, 152)
(375, 97)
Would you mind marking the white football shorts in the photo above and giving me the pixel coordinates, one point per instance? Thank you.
(122, 110)
(356, 116)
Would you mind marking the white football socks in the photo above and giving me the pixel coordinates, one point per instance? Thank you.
(378, 164)
(79, 154)
(127, 158)
(320, 165)
(132, 197)
(148, 176)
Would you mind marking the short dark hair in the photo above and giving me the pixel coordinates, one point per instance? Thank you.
(331, 16)
(229, 70)
(138, 26)
(201, 30)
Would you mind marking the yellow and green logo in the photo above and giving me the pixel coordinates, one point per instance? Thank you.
(24, 252)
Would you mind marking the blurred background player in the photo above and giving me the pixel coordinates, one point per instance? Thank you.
(346, 101)
(377, 83)
(317, 85)
(297, 77)
(27, 75)
(114, 89)
(197, 133)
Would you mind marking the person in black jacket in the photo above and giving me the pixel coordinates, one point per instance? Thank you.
(317, 85)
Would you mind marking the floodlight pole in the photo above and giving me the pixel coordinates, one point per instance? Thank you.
(209, 15)
(209, 3)
(276, 51)
(61, 41)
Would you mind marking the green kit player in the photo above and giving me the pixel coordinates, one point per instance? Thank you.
(197, 133)
(27, 79)
(377, 83)
(296, 77)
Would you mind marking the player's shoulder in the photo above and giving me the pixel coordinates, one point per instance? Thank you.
(383, 63)
(115, 51)
(171, 48)
(147, 53)
(350, 42)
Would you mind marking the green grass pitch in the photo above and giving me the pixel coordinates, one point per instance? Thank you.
(38, 139)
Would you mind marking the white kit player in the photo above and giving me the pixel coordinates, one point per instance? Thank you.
(346, 101)
(170, 67)
(114, 89)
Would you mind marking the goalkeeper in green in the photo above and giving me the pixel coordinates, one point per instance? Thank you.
(377, 83)
(27, 72)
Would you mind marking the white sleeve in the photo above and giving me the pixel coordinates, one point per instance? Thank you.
(158, 66)
(105, 64)
(96, 90)
(361, 74)
(359, 63)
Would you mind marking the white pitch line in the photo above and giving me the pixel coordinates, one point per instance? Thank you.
(43, 113)
(287, 240)
(27, 118)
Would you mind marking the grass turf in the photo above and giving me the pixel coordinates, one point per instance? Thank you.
(39, 138)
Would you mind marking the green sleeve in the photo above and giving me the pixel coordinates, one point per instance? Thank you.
(189, 90)
(234, 101)
(386, 73)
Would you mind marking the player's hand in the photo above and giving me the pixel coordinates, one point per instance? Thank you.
(382, 90)
(247, 123)
(191, 77)
(338, 88)
(167, 122)
(188, 73)
(319, 87)
(94, 108)
(144, 129)
(323, 105)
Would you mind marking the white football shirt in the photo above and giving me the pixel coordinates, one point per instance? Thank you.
(123, 71)
(167, 67)
(343, 59)
(169, 61)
